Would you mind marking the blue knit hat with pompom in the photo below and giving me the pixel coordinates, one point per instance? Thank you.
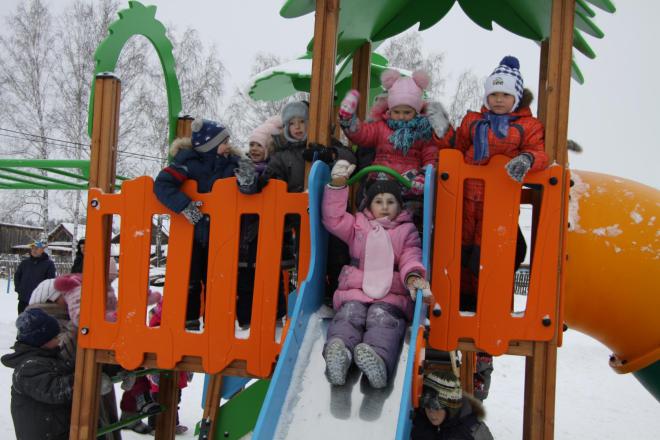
(505, 78)
(36, 327)
(206, 135)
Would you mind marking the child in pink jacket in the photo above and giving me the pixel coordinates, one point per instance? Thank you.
(373, 300)
(402, 127)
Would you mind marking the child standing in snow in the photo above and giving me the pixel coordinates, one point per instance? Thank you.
(41, 380)
(373, 301)
(504, 125)
(204, 158)
(402, 127)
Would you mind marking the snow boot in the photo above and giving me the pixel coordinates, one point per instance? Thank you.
(371, 365)
(137, 426)
(337, 361)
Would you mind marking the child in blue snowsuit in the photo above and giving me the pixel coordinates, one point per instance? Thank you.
(205, 157)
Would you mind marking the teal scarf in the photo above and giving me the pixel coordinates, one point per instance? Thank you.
(407, 132)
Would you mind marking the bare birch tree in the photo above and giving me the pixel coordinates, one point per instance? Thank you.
(406, 52)
(27, 89)
(469, 95)
(81, 27)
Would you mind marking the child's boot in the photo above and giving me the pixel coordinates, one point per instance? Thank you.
(371, 364)
(337, 361)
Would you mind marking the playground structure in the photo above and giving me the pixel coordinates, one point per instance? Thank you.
(572, 262)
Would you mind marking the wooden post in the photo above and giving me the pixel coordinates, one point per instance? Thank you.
(212, 402)
(184, 126)
(360, 82)
(322, 87)
(168, 395)
(554, 94)
(86, 392)
(468, 361)
(361, 76)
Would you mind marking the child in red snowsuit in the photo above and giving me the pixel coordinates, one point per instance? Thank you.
(504, 125)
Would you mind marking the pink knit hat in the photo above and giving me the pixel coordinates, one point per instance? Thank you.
(405, 91)
(262, 134)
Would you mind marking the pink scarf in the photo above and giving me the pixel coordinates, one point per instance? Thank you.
(378, 261)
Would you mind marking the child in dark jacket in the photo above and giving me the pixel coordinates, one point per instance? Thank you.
(373, 301)
(446, 413)
(42, 382)
(205, 157)
(287, 163)
(504, 125)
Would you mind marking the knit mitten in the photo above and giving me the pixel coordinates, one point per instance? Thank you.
(438, 118)
(192, 212)
(349, 104)
(519, 166)
(246, 176)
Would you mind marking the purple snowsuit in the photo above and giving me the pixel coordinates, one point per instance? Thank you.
(382, 322)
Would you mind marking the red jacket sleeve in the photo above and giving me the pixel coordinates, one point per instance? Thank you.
(534, 143)
(463, 136)
(366, 134)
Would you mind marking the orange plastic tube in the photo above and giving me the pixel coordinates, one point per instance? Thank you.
(613, 269)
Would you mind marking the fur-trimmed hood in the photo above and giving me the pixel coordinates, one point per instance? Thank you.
(527, 99)
(477, 407)
(185, 143)
(179, 144)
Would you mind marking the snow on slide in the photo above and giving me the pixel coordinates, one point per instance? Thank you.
(314, 408)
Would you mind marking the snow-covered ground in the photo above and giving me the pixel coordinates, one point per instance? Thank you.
(592, 401)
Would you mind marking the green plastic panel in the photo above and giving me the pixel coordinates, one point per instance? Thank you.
(238, 416)
(139, 20)
(650, 378)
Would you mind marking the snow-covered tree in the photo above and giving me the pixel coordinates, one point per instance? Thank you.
(243, 114)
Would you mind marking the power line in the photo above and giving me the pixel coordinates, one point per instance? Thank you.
(72, 145)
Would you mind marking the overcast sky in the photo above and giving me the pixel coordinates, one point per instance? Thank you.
(614, 115)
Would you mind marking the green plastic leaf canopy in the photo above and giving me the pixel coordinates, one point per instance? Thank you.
(294, 76)
(383, 19)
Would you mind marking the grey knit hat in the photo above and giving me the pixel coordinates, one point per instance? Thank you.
(292, 110)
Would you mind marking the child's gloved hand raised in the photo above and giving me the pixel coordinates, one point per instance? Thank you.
(340, 173)
(438, 118)
(518, 167)
(415, 282)
(192, 212)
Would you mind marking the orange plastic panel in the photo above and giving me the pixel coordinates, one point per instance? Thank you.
(129, 337)
(494, 326)
(418, 376)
